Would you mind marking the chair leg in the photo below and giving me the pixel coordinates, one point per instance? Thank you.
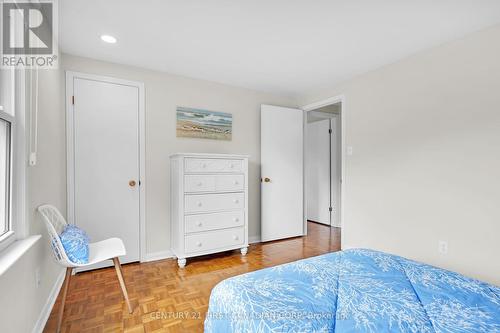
(118, 268)
(69, 270)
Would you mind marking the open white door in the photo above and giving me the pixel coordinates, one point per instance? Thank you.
(336, 169)
(282, 172)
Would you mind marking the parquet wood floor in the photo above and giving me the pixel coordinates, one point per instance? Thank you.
(168, 299)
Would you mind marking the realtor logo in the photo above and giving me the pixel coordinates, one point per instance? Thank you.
(28, 38)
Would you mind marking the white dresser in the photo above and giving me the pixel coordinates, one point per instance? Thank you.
(209, 200)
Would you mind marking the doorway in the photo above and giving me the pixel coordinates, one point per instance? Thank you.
(324, 163)
(105, 143)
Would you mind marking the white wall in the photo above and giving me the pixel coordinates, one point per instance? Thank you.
(426, 156)
(164, 92)
(22, 302)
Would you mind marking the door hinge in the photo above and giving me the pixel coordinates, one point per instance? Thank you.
(330, 209)
(73, 100)
(330, 131)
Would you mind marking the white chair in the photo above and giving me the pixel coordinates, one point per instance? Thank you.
(109, 249)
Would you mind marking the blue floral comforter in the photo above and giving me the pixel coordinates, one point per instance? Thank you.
(353, 291)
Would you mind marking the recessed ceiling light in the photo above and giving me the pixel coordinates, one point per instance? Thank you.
(108, 39)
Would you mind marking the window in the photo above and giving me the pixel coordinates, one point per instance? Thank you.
(7, 102)
(5, 162)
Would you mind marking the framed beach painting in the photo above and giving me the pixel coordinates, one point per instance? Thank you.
(198, 123)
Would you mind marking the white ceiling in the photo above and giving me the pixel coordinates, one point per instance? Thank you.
(281, 46)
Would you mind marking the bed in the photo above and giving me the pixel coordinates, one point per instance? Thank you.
(354, 290)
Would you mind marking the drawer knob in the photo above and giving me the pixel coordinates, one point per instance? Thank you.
(204, 165)
(200, 183)
(236, 201)
(198, 244)
(235, 182)
(235, 237)
(231, 165)
(236, 219)
(199, 224)
(199, 204)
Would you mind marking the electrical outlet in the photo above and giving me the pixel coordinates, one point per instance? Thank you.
(349, 150)
(443, 247)
(38, 278)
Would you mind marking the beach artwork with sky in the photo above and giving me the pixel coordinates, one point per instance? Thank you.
(197, 123)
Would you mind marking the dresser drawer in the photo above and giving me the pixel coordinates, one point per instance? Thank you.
(211, 183)
(195, 203)
(229, 183)
(213, 221)
(199, 183)
(212, 240)
(212, 165)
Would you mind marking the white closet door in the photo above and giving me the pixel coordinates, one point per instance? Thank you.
(318, 171)
(336, 170)
(106, 162)
(282, 146)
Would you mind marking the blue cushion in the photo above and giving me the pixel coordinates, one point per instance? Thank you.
(76, 244)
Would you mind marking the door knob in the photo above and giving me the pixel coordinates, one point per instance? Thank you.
(131, 183)
(267, 180)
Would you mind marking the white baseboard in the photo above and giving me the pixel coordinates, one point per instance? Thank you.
(253, 239)
(47, 308)
(158, 256)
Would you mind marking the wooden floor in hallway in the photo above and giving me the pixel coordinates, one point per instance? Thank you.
(169, 299)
